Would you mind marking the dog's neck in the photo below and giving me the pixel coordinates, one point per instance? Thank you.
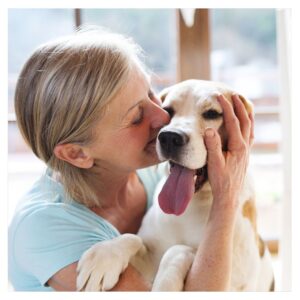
(204, 194)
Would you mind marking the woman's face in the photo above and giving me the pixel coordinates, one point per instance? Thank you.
(126, 135)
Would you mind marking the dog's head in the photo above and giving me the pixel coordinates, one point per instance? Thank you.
(193, 107)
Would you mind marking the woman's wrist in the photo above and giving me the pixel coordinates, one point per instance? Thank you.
(224, 210)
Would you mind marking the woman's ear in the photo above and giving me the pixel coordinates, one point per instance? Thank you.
(74, 154)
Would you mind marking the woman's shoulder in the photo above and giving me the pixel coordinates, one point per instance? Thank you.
(46, 206)
(45, 193)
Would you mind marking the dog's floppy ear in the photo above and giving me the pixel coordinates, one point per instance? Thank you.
(247, 103)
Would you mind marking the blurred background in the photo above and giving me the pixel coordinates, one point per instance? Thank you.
(236, 46)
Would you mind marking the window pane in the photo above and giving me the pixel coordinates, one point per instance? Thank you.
(244, 50)
(28, 28)
(153, 29)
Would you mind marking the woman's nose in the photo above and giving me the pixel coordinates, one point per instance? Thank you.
(160, 117)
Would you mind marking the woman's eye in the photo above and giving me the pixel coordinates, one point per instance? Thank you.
(139, 118)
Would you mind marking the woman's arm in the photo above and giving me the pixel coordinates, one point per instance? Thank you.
(211, 269)
(130, 280)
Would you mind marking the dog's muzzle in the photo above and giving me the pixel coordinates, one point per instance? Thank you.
(182, 181)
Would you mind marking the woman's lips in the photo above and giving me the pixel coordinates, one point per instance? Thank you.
(151, 145)
(152, 141)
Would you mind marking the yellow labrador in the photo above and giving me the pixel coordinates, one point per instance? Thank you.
(171, 231)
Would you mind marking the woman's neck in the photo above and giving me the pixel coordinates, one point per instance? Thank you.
(113, 189)
(122, 200)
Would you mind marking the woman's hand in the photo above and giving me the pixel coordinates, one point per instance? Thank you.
(226, 171)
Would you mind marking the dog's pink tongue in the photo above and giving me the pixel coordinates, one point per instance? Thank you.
(177, 191)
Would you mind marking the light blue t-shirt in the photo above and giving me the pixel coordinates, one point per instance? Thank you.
(48, 232)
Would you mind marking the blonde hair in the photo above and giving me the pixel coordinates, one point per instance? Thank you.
(63, 89)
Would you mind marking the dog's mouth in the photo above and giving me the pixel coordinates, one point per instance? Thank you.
(179, 188)
(202, 177)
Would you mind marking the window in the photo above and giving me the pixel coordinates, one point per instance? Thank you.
(27, 29)
(143, 25)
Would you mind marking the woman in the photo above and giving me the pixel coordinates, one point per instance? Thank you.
(85, 106)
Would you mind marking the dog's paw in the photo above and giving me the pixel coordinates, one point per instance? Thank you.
(173, 268)
(100, 266)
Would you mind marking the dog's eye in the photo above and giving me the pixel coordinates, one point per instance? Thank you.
(211, 114)
(170, 111)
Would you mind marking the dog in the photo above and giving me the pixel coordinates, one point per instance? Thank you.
(171, 231)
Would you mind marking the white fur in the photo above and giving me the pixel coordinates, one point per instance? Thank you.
(170, 241)
(100, 266)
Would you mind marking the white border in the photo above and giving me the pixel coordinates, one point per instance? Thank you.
(3, 148)
(152, 4)
(295, 150)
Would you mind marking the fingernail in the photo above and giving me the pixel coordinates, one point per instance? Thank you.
(209, 132)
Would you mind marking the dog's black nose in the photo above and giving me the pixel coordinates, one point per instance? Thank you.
(171, 141)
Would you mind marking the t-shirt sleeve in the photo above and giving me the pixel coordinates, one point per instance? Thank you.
(161, 171)
(49, 239)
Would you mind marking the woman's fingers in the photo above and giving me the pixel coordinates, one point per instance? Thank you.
(213, 145)
(251, 140)
(235, 138)
(238, 122)
(242, 115)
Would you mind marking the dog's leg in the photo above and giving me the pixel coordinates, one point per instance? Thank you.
(173, 268)
(100, 266)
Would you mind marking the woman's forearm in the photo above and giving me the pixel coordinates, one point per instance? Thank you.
(211, 269)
